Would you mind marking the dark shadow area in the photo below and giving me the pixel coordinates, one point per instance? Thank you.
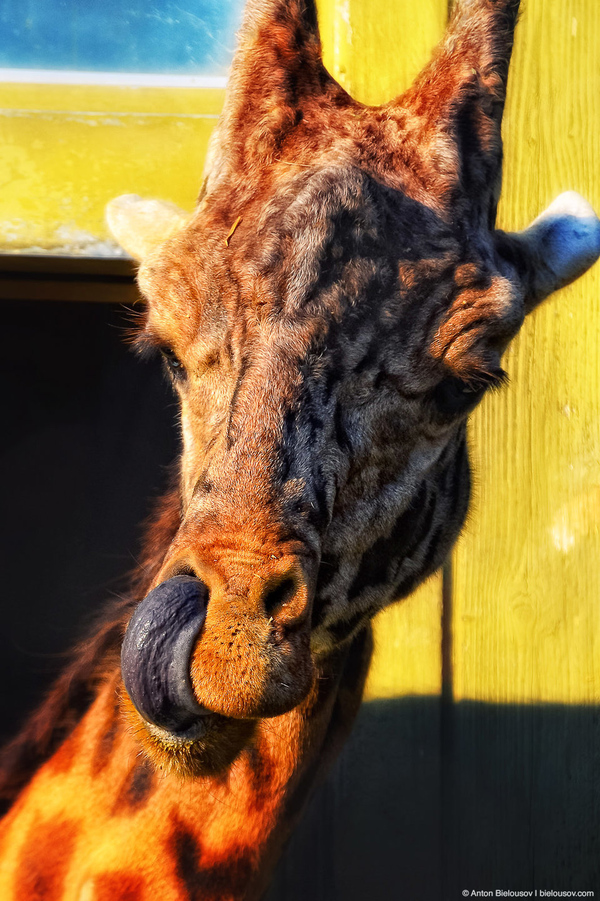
(524, 798)
(520, 811)
(372, 830)
(87, 435)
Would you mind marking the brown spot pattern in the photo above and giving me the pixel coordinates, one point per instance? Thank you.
(262, 771)
(44, 861)
(204, 878)
(65, 756)
(105, 746)
(137, 788)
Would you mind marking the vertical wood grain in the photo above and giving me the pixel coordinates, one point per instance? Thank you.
(376, 48)
(408, 640)
(524, 749)
(527, 619)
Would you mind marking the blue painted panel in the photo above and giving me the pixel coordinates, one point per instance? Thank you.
(188, 37)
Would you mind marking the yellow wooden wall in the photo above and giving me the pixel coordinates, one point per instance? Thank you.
(66, 150)
(525, 621)
(526, 574)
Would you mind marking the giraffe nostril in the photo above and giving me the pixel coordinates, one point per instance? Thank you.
(286, 602)
(279, 595)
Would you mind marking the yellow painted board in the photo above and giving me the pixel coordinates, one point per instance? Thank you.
(66, 150)
(408, 641)
(375, 49)
(97, 98)
(526, 622)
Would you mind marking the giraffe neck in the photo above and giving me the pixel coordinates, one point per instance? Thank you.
(97, 822)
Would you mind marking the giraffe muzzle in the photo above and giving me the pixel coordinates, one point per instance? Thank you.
(156, 652)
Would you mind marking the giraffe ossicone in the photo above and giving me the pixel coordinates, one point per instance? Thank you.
(329, 315)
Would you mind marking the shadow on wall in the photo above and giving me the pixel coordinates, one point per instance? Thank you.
(424, 804)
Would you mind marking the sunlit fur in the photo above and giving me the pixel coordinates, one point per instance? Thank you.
(330, 315)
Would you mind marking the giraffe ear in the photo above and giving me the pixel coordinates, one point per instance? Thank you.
(141, 226)
(559, 246)
(277, 73)
(458, 102)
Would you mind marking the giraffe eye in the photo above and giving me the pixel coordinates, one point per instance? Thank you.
(455, 397)
(174, 364)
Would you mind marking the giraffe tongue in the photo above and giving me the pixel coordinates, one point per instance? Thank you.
(155, 656)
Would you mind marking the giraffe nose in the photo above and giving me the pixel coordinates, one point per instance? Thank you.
(274, 589)
(284, 599)
(252, 658)
(228, 637)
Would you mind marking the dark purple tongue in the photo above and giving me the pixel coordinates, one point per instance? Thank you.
(156, 651)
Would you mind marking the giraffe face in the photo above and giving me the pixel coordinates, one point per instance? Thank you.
(325, 358)
(330, 315)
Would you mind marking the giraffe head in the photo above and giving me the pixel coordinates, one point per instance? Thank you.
(332, 311)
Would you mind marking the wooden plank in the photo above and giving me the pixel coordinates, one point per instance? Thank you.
(65, 266)
(373, 829)
(525, 733)
(522, 810)
(376, 48)
(526, 573)
(66, 150)
(63, 277)
(408, 641)
(76, 290)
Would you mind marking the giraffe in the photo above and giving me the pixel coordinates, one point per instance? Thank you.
(330, 314)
